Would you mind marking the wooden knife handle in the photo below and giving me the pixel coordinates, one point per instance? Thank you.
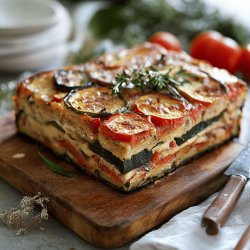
(244, 243)
(218, 212)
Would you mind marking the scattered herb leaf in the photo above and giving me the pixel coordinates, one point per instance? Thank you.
(55, 168)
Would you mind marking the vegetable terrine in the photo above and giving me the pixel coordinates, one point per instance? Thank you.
(131, 116)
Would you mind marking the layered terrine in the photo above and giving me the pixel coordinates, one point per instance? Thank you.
(131, 116)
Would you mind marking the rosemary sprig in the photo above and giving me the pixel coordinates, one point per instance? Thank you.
(152, 79)
(55, 168)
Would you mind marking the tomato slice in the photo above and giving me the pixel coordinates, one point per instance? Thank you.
(94, 123)
(162, 109)
(127, 128)
(158, 161)
(77, 155)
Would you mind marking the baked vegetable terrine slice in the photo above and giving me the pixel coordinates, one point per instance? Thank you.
(132, 116)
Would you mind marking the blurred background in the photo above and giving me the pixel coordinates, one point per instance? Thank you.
(42, 34)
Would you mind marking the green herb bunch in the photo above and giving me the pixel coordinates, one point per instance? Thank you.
(152, 79)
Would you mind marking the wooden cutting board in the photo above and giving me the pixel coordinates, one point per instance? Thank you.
(98, 213)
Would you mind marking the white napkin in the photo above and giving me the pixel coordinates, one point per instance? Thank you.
(184, 231)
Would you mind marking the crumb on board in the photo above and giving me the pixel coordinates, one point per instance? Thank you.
(19, 156)
(30, 214)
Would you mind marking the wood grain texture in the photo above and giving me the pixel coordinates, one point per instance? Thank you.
(96, 212)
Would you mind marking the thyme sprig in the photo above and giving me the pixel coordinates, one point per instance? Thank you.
(152, 79)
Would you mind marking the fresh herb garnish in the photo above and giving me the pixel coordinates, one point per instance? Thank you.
(152, 79)
(55, 168)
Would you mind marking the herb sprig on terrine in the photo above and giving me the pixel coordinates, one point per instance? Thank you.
(152, 79)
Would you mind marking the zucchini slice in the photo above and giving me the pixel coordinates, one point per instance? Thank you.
(205, 93)
(67, 80)
(196, 129)
(125, 166)
(94, 101)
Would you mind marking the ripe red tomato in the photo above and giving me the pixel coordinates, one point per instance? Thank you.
(222, 52)
(245, 62)
(202, 43)
(167, 40)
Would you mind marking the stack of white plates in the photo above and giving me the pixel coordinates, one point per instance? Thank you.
(33, 34)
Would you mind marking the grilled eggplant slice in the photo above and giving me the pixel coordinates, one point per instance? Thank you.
(202, 92)
(67, 80)
(104, 69)
(94, 101)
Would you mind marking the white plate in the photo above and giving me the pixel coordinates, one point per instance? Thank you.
(43, 59)
(27, 16)
(14, 47)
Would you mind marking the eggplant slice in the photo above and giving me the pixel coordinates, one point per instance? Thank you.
(94, 101)
(67, 80)
(104, 69)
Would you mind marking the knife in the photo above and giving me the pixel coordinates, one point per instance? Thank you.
(244, 243)
(218, 212)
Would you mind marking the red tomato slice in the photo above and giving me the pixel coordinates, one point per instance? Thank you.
(127, 127)
(245, 62)
(162, 109)
(222, 52)
(94, 123)
(166, 40)
(196, 112)
(156, 160)
(77, 155)
(113, 175)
